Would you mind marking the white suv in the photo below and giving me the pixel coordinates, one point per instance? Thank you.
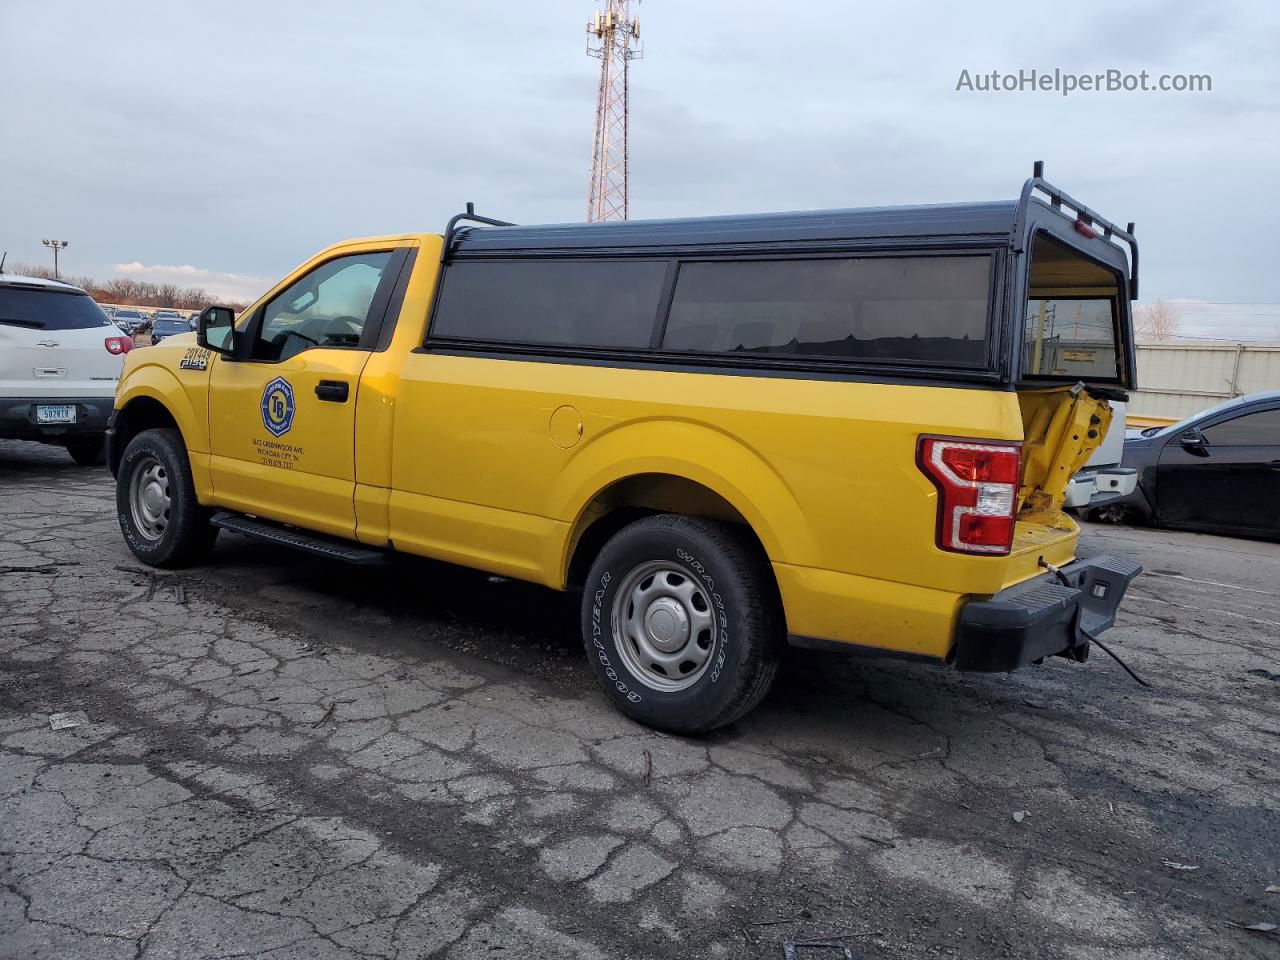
(60, 360)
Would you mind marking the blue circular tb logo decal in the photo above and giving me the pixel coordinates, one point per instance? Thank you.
(277, 406)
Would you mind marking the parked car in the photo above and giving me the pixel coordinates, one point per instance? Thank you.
(837, 429)
(60, 361)
(1216, 472)
(132, 320)
(110, 315)
(168, 323)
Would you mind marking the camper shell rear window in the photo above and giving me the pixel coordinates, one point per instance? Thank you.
(1072, 318)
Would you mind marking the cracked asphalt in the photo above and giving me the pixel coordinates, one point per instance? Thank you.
(284, 757)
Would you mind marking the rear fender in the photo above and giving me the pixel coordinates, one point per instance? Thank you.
(695, 452)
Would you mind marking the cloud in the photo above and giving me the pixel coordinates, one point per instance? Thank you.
(231, 285)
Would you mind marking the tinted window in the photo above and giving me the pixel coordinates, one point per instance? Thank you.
(930, 309)
(326, 307)
(602, 303)
(1252, 429)
(41, 309)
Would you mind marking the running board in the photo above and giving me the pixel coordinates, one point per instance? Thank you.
(314, 543)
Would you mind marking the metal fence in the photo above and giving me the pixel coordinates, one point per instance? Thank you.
(1179, 379)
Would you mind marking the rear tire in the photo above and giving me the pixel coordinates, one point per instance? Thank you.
(88, 451)
(160, 517)
(1111, 513)
(682, 623)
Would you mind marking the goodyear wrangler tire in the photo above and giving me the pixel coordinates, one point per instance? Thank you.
(682, 623)
(162, 522)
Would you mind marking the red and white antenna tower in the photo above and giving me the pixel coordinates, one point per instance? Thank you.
(615, 41)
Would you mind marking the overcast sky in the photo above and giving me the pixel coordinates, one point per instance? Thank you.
(220, 144)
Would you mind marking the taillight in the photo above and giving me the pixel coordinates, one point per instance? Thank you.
(118, 345)
(977, 492)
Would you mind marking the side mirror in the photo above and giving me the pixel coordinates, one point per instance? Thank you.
(1193, 441)
(216, 330)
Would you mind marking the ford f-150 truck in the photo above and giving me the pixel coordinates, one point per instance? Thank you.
(843, 429)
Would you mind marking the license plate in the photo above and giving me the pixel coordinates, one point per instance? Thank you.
(61, 413)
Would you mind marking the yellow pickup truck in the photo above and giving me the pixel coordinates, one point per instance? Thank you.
(845, 429)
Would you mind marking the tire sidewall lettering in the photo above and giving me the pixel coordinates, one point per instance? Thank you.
(136, 542)
(722, 613)
(597, 640)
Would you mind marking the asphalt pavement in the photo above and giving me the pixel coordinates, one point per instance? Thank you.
(277, 756)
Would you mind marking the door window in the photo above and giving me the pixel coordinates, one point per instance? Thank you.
(1260, 429)
(327, 307)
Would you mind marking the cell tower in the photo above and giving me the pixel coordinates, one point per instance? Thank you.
(615, 41)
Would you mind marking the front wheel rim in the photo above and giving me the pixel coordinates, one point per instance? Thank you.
(664, 627)
(149, 502)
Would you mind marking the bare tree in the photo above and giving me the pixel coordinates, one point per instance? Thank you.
(30, 270)
(196, 298)
(126, 290)
(1156, 321)
(123, 290)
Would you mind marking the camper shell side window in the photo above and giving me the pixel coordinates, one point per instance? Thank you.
(929, 309)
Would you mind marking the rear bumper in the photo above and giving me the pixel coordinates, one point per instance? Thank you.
(1092, 488)
(1043, 617)
(18, 417)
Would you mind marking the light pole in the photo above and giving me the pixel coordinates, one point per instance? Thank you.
(56, 245)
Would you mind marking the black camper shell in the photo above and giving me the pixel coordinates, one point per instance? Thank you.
(1003, 229)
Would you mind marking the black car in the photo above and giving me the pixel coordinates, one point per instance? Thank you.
(1216, 472)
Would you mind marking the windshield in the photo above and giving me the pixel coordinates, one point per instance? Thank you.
(166, 325)
(1071, 318)
(50, 309)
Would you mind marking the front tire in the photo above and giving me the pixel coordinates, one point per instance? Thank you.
(88, 451)
(160, 517)
(682, 623)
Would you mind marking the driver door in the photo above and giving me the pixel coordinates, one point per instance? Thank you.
(282, 410)
(1224, 477)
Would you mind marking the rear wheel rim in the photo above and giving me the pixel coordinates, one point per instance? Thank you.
(663, 626)
(149, 502)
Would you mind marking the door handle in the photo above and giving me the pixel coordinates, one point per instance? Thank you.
(335, 391)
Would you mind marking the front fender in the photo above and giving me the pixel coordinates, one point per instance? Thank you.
(158, 383)
(696, 452)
